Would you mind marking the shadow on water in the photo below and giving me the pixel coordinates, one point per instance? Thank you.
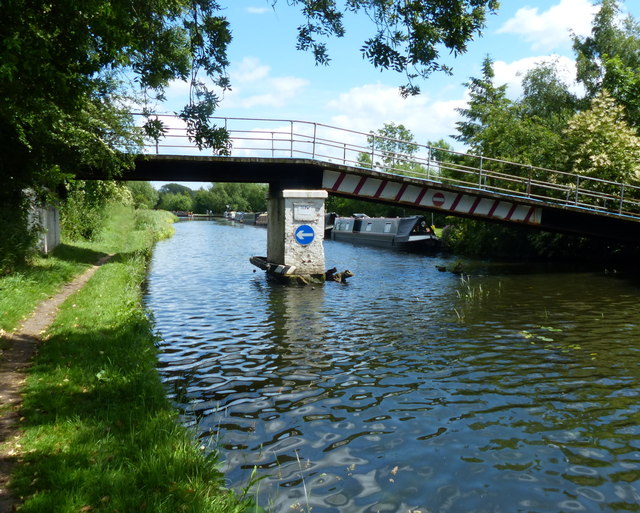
(409, 388)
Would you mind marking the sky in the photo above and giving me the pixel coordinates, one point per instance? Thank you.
(271, 79)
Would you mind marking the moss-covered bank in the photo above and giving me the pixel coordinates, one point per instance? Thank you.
(98, 431)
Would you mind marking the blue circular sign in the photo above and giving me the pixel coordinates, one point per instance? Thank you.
(304, 234)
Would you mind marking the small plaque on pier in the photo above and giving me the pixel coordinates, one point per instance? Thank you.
(304, 212)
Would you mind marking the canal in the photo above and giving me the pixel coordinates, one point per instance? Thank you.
(516, 388)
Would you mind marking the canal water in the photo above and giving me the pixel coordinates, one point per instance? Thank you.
(511, 388)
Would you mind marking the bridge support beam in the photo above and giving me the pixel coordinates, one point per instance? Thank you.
(296, 233)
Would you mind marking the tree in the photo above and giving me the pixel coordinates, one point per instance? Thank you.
(527, 131)
(445, 161)
(442, 151)
(484, 99)
(624, 83)
(541, 115)
(608, 39)
(70, 74)
(256, 195)
(243, 197)
(407, 36)
(203, 201)
(173, 197)
(487, 128)
(82, 215)
(600, 144)
(143, 194)
(546, 96)
(65, 74)
(395, 146)
(176, 188)
(176, 202)
(610, 58)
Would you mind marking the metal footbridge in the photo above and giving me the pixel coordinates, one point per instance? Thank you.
(300, 154)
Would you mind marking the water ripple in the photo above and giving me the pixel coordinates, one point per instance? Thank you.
(407, 389)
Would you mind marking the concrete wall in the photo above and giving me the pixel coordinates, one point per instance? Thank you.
(275, 226)
(47, 221)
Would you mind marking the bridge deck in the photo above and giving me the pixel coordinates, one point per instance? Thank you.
(417, 193)
(296, 154)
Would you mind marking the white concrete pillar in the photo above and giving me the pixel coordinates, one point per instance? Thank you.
(296, 231)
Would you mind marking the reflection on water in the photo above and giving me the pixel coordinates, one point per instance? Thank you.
(408, 388)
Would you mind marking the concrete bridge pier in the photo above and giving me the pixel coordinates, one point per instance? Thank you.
(295, 234)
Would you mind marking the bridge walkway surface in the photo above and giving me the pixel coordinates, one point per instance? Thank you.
(300, 154)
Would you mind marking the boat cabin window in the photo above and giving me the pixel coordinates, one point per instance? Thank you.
(387, 227)
(369, 227)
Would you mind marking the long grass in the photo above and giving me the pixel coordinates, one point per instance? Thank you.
(99, 433)
(22, 290)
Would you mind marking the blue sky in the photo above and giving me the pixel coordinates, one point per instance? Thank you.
(271, 79)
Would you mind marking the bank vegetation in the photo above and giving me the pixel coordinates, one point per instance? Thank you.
(98, 432)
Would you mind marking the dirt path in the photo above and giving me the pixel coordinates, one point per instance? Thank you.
(14, 362)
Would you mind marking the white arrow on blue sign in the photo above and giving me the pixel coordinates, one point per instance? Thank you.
(304, 234)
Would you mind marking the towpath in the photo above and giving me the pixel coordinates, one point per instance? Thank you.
(15, 359)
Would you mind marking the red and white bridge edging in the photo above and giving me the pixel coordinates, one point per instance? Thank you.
(430, 197)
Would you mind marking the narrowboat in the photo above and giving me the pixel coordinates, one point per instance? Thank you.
(411, 232)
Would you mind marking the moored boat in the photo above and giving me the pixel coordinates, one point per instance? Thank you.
(410, 232)
(329, 220)
(246, 217)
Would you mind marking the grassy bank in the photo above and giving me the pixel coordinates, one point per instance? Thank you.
(99, 433)
(21, 291)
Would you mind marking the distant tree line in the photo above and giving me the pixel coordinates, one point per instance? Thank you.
(244, 197)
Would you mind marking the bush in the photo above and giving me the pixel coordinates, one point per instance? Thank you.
(18, 241)
(83, 214)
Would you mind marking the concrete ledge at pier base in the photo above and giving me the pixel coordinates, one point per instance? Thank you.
(286, 273)
(299, 279)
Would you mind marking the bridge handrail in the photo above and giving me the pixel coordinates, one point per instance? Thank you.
(295, 138)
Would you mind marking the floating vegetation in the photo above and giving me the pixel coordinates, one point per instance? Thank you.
(558, 347)
(528, 335)
(549, 328)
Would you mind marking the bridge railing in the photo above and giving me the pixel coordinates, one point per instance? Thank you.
(283, 138)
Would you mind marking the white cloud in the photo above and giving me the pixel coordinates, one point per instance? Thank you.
(369, 107)
(280, 91)
(248, 70)
(375, 100)
(253, 86)
(551, 29)
(512, 73)
(257, 10)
